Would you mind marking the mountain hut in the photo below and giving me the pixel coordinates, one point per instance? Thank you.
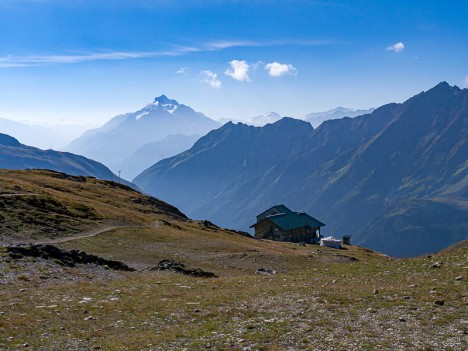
(281, 224)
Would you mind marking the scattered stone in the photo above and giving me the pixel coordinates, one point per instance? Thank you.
(437, 264)
(22, 290)
(90, 318)
(401, 319)
(460, 277)
(375, 291)
(178, 267)
(265, 271)
(346, 258)
(208, 224)
(26, 344)
(66, 258)
(197, 310)
(439, 302)
(85, 300)
(406, 297)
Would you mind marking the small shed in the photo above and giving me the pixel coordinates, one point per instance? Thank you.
(281, 224)
(346, 239)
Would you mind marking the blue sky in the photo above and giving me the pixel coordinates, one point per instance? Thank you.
(66, 60)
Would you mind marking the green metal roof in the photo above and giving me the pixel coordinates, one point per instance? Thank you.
(280, 208)
(291, 220)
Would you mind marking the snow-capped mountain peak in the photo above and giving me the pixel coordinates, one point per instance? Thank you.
(269, 117)
(163, 103)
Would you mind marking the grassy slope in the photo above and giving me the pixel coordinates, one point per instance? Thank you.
(319, 300)
(39, 205)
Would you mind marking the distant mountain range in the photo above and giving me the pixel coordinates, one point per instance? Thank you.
(119, 138)
(317, 118)
(395, 179)
(262, 120)
(314, 118)
(53, 136)
(14, 155)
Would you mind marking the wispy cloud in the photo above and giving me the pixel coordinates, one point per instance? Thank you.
(239, 70)
(77, 58)
(257, 64)
(211, 79)
(397, 47)
(173, 50)
(276, 69)
(181, 70)
(227, 44)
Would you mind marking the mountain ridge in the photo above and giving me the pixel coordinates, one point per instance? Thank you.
(349, 172)
(16, 156)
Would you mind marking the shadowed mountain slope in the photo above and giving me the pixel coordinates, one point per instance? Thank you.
(14, 155)
(357, 175)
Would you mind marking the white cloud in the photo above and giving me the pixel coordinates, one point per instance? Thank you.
(238, 71)
(276, 69)
(211, 78)
(397, 47)
(465, 82)
(181, 70)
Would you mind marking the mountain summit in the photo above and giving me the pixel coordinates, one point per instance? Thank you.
(6, 140)
(163, 103)
(120, 137)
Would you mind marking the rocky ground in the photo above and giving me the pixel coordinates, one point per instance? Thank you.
(378, 304)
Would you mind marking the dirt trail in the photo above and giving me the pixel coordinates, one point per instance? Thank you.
(97, 231)
(87, 234)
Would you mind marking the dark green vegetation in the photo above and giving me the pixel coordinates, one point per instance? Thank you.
(395, 179)
(14, 155)
(321, 299)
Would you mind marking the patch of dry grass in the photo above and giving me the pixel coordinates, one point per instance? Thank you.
(37, 205)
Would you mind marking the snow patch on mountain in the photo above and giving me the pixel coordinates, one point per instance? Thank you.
(141, 115)
(163, 103)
